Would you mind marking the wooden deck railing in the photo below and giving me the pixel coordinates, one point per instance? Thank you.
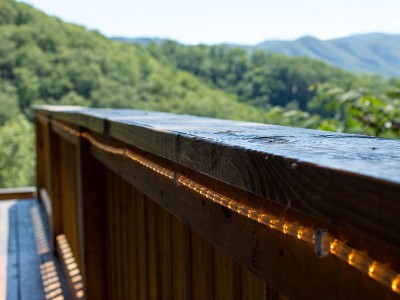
(147, 205)
(17, 193)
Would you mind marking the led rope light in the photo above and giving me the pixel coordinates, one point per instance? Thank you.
(325, 243)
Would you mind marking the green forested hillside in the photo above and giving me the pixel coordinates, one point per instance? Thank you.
(44, 60)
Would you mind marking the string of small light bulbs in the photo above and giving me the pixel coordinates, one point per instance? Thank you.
(324, 243)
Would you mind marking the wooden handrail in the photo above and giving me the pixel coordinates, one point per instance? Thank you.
(349, 184)
(17, 193)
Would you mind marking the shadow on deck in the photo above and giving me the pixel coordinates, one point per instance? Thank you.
(30, 269)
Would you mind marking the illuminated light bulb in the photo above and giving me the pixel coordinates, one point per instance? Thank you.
(350, 258)
(260, 218)
(230, 204)
(300, 233)
(250, 213)
(266, 219)
(396, 284)
(333, 247)
(371, 269)
(286, 228)
(274, 223)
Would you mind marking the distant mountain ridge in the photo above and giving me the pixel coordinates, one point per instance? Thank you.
(374, 53)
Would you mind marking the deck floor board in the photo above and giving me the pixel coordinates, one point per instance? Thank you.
(23, 278)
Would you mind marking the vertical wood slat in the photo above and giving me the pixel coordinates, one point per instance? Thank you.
(223, 270)
(40, 155)
(117, 239)
(252, 287)
(125, 238)
(56, 187)
(165, 253)
(48, 172)
(201, 268)
(180, 260)
(109, 235)
(142, 245)
(90, 220)
(153, 247)
(132, 247)
(69, 197)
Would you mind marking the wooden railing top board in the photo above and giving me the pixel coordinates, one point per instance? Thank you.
(316, 172)
(358, 154)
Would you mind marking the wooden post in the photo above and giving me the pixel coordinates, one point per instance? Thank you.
(48, 172)
(91, 226)
(56, 188)
(40, 159)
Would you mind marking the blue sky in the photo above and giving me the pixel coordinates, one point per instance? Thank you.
(216, 21)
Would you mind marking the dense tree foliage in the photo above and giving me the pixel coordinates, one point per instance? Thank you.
(16, 152)
(44, 60)
(359, 111)
(260, 79)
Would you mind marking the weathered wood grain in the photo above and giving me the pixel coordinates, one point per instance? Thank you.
(350, 181)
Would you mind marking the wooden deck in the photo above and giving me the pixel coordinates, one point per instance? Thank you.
(28, 268)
